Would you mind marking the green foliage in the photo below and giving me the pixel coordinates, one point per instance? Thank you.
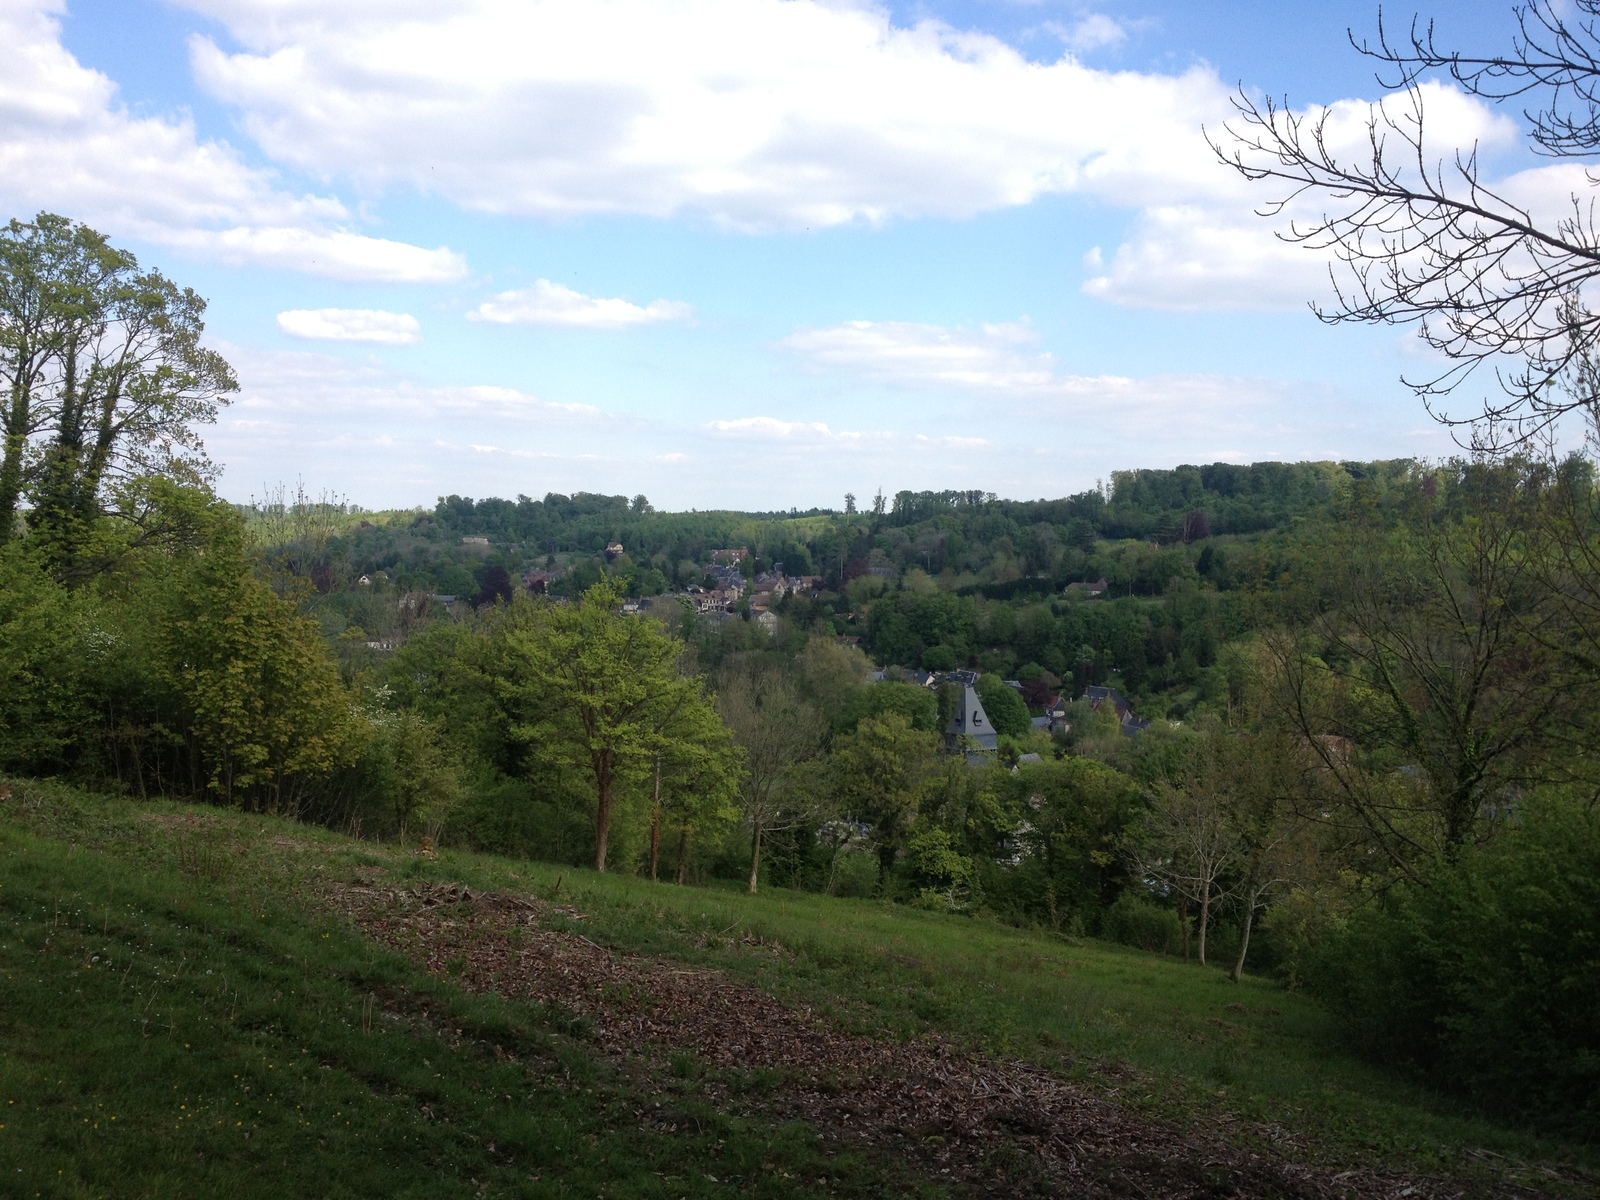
(1071, 863)
(941, 871)
(882, 773)
(1486, 975)
(257, 684)
(588, 689)
(1007, 710)
(421, 782)
(1134, 921)
(43, 707)
(106, 377)
(917, 705)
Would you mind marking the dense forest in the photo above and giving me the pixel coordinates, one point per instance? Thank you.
(1371, 688)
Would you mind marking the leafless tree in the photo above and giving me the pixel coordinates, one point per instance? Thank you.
(1420, 236)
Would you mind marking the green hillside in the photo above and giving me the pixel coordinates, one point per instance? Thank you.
(201, 1002)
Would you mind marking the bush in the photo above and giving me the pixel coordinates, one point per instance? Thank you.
(42, 709)
(1486, 976)
(1135, 921)
(855, 873)
(918, 705)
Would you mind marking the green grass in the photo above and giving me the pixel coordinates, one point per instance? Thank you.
(173, 1036)
(1169, 1038)
(213, 977)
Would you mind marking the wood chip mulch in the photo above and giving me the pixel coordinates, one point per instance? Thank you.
(975, 1123)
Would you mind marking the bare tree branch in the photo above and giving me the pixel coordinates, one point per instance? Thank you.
(1418, 236)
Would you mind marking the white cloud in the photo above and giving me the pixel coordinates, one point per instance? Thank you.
(1003, 362)
(1209, 251)
(1193, 258)
(989, 357)
(352, 325)
(285, 384)
(756, 113)
(1095, 31)
(547, 303)
(713, 108)
(771, 429)
(66, 143)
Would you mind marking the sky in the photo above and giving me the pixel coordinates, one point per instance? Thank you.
(741, 254)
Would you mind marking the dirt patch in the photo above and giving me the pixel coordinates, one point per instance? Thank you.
(982, 1125)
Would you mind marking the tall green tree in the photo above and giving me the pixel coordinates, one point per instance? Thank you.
(1075, 812)
(781, 734)
(262, 700)
(592, 688)
(105, 376)
(882, 772)
(1431, 686)
(695, 773)
(422, 780)
(43, 264)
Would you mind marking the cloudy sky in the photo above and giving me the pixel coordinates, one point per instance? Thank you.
(728, 253)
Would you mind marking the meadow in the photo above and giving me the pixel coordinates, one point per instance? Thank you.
(187, 1015)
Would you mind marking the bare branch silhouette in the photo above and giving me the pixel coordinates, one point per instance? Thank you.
(1418, 236)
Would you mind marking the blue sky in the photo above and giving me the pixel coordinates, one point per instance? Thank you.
(728, 253)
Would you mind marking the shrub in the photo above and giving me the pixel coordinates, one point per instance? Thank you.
(1486, 975)
(855, 873)
(1135, 921)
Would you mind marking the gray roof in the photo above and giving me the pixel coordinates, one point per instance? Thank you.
(970, 721)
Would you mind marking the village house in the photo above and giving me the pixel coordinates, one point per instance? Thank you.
(1099, 697)
(1089, 590)
(1055, 715)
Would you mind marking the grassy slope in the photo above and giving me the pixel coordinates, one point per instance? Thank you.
(221, 1004)
(171, 1034)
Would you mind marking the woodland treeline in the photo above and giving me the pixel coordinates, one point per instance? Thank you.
(929, 580)
(1370, 771)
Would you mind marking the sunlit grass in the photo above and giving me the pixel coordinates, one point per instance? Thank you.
(291, 989)
(166, 1036)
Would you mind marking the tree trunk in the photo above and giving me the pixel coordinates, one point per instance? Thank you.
(602, 817)
(1205, 919)
(1183, 921)
(655, 824)
(755, 856)
(683, 856)
(1244, 936)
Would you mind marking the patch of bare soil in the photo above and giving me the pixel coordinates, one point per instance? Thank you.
(981, 1125)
